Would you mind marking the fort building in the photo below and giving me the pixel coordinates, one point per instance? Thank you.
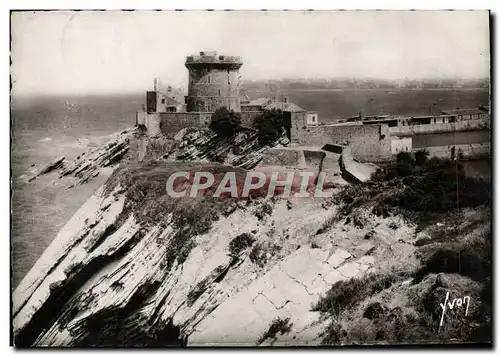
(214, 81)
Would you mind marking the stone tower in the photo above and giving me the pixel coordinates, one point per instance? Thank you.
(213, 82)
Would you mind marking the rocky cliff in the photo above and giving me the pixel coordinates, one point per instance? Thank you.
(134, 267)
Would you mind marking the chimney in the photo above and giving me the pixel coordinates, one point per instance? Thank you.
(156, 84)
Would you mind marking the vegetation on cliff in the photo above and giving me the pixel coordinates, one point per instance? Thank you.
(418, 187)
(453, 247)
(225, 123)
(270, 126)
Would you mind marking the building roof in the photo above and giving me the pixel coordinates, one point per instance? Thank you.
(290, 107)
(260, 102)
(245, 99)
(268, 104)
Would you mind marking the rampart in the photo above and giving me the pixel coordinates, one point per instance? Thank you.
(284, 157)
(472, 151)
(359, 172)
(168, 124)
(367, 142)
(465, 125)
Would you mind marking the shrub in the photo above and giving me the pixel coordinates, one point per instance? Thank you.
(428, 185)
(471, 259)
(240, 243)
(225, 123)
(349, 293)
(269, 126)
(278, 325)
(421, 157)
(404, 164)
(258, 256)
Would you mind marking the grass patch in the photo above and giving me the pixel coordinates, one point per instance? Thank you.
(146, 198)
(349, 293)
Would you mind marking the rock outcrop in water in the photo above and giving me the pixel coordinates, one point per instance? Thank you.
(87, 165)
(55, 164)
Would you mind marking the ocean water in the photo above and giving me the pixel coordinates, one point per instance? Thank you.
(44, 128)
(334, 104)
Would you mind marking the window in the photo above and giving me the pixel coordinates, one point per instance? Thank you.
(228, 79)
(163, 101)
(208, 79)
(219, 92)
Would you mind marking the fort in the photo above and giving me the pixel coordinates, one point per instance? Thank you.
(214, 82)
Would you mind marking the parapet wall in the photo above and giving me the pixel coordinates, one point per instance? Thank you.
(284, 157)
(367, 142)
(472, 151)
(466, 125)
(168, 124)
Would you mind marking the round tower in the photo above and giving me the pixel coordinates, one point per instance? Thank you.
(213, 82)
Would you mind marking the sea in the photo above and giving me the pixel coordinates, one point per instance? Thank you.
(46, 127)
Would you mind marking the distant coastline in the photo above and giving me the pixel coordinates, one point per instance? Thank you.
(388, 89)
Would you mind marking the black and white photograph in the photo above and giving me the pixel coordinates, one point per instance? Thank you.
(251, 178)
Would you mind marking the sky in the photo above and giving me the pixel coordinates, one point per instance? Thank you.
(117, 52)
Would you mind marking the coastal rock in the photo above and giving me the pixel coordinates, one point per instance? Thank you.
(88, 165)
(108, 279)
(55, 164)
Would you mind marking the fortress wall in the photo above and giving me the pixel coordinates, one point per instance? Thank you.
(476, 150)
(359, 172)
(283, 157)
(314, 159)
(401, 145)
(367, 142)
(168, 124)
(466, 125)
(153, 124)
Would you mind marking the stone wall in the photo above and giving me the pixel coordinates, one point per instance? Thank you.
(466, 125)
(355, 171)
(284, 157)
(403, 144)
(476, 150)
(314, 159)
(168, 124)
(367, 142)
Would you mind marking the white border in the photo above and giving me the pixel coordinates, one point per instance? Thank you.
(187, 4)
